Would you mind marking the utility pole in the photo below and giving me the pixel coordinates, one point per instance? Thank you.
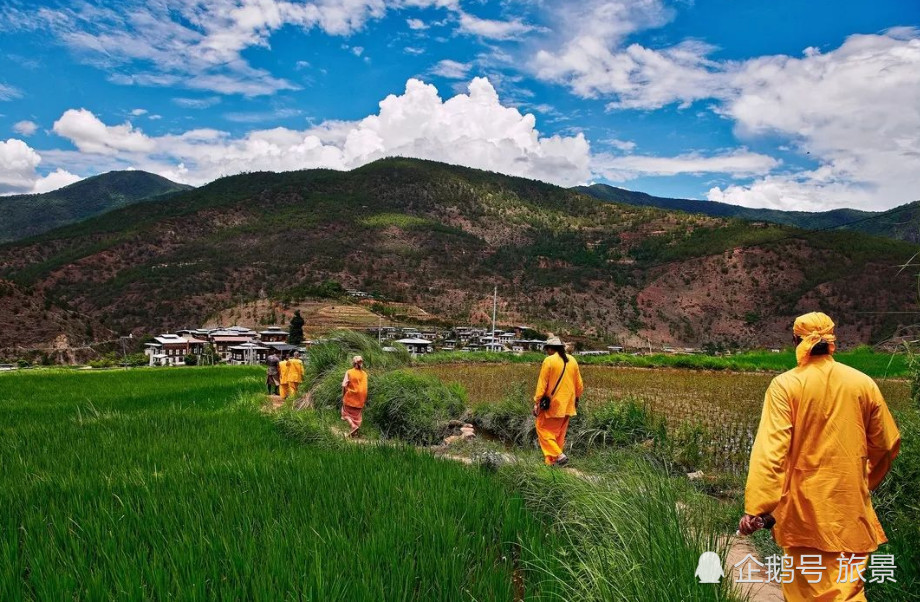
(494, 307)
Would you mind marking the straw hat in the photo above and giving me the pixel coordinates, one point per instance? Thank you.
(555, 341)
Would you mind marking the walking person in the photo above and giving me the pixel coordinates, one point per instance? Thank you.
(294, 374)
(354, 394)
(283, 374)
(826, 439)
(273, 373)
(559, 390)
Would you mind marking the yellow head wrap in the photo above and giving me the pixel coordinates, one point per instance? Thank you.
(813, 328)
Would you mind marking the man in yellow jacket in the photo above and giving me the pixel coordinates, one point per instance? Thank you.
(559, 389)
(354, 394)
(291, 375)
(826, 439)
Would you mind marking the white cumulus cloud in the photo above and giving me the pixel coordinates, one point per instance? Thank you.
(91, 135)
(855, 110)
(472, 129)
(18, 170)
(737, 163)
(25, 128)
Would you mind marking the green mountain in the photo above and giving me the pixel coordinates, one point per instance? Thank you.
(440, 237)
(902, 223)
(29, 214)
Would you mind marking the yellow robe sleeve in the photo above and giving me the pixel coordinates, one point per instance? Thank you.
(542, 382)
(883, 438)
(767, 473)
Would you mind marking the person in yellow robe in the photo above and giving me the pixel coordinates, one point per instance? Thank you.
(294, 374)
(284, 376)
(559, 388)
(354, 394)
(826, 439)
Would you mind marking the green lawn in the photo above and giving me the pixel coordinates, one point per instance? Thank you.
(170, 484)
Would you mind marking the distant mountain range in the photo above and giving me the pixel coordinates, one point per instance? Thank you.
(440, 237)
(902, 223)
(26, 215)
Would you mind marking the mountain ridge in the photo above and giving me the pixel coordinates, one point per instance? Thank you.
(28, 215)
(441, 237)
(901, 223)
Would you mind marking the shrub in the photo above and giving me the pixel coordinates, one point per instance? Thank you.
(510, 419)
(191, 360)
(413, 407)
(618, 423)
(335, 353)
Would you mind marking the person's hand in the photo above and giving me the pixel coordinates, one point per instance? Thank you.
(536, 410)
(749, 524)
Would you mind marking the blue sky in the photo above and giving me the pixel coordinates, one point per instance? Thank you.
(794, 105)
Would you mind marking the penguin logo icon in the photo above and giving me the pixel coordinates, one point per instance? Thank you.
(709, 568)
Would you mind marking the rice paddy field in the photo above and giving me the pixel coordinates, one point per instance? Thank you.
(724, 406)
(172, 484)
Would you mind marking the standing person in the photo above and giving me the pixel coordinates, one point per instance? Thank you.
(294, 373)
(272, 375)
(559, 390)
(826, 439)
(283, 375)
(354, 394)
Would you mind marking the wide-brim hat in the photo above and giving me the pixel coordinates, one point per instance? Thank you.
(554, 341)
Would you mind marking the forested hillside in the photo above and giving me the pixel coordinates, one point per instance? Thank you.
(29, 214)
(441, 237)
(901, 223)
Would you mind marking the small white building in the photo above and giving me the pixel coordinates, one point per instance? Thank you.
(416, 346)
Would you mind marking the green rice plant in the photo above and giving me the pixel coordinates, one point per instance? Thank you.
(172, 484)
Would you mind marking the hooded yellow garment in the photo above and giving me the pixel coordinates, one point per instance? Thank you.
(284, 371)
(826, 438)
(813, 328)
(571, 386)
(295, 371)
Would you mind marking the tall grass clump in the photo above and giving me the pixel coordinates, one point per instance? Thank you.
(628, 536)
(334, 353)
(509, 419)
(897, 502)
(618, 423)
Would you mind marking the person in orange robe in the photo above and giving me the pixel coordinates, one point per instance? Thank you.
(294, 374)
(826, 439)
(284, 376)
(563, 389)
(354, 394)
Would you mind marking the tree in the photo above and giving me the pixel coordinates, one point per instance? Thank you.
(295, 332)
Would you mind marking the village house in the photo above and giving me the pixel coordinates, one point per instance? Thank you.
(248, 353)
(274, 334)
(416, 346)
(171, 349)
(224, 339)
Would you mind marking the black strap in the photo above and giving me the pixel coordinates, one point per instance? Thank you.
(564, 366)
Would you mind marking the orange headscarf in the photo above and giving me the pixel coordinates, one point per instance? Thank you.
(813, 328)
